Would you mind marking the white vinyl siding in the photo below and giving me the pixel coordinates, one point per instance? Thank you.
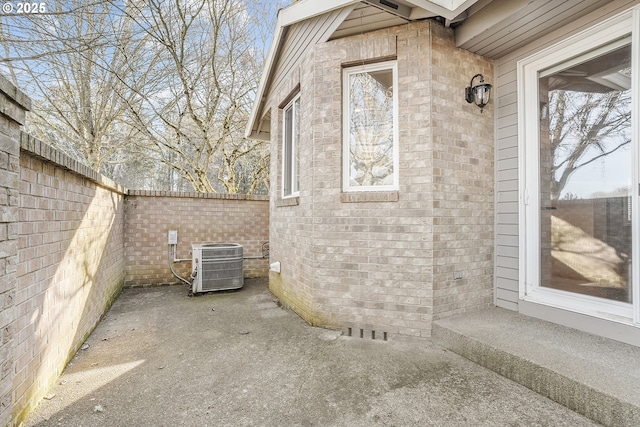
(506, 262)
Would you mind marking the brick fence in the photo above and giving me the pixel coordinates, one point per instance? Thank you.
(70, 239)
(13, 104)
(198, 218)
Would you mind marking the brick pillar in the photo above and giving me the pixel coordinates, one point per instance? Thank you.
(13, 106)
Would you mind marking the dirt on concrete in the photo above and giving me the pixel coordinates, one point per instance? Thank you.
(161, 358)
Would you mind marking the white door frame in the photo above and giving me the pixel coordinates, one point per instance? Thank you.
(600, 35)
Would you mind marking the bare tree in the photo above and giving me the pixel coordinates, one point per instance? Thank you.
(245, 167)
(211, 59)
(116, 84)
(85, 65)
(584, 128)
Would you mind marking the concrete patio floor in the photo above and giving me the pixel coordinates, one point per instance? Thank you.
(160, 358)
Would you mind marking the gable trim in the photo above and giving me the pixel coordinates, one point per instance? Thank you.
(291, 15)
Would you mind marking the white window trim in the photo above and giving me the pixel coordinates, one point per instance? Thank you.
(601, 34)
(346, 185)
(294, 147)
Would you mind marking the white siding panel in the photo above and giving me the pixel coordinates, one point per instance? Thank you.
(506, 257)
(508, 305)
(510, 152)
(509, 264)
(507, 174)
(505, 294)
(505, 299)
(508, 196)
(508, 207)
(508, 164)
(508, 273)
(509, 285)
(505, 261)
(507, 229)
(507, 76)
(509, 101)
(505, 240)
(511, 185)
(508, 133)
(366, 18)
(506, 86)
(509, 119)
(502, 70)
(505, 109)
(508, 218)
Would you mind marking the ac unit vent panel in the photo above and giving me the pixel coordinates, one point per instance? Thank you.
(218, 266)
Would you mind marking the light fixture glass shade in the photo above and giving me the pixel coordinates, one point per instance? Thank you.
(478, 94)
(481, 94)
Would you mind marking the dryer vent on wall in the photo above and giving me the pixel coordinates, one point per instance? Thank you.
(217, 267)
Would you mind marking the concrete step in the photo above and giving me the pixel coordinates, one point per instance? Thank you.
(594, 376)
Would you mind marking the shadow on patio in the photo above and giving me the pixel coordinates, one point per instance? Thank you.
(160, 358)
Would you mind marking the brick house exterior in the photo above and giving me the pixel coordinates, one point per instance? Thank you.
(385, 261)
(456, 230)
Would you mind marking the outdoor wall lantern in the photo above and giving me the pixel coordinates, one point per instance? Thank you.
(479, 94)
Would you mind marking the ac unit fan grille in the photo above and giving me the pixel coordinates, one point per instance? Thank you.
(221, 274)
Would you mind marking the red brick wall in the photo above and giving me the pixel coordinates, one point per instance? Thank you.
(198, 218)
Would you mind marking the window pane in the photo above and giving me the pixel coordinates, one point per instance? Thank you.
(586, 175)
(290, 157)
(295, 151)
(287, 152)
(370, 139)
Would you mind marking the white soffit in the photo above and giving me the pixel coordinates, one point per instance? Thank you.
(495, 28)
(448, 9)
(492, 14)
(307, 9)
(365, 18)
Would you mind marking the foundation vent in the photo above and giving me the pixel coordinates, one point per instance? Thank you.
(366, 334)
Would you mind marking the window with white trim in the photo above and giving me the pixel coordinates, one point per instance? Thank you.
(370, 128)
(290, 140)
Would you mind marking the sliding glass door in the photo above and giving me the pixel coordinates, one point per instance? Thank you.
(578, 126)
(586, 175)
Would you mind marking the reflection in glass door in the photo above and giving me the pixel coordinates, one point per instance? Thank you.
(586, 171)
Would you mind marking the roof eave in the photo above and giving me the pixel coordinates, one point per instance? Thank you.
(434, 8)
(297, 12)
(307, 9)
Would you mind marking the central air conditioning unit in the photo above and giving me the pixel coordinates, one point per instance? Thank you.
(216, 267)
